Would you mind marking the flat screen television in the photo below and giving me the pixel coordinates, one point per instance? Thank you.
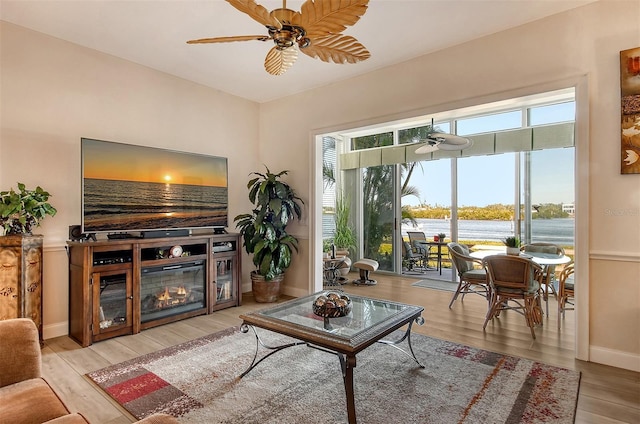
(135, 188)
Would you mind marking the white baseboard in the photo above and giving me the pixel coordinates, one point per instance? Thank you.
(55, 330)
(615, 358)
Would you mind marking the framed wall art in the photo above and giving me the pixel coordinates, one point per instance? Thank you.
(630, 111)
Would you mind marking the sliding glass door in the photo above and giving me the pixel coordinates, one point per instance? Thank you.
(375, 196)
(378, 219)
(549, 197)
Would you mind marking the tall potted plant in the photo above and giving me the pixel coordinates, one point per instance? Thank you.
(21, 211)
(264, 232)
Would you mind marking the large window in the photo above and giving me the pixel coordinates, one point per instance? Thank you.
(517, 178)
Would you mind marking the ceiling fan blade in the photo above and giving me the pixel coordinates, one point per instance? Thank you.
(427, 148)
(279, 60)
(451, 141)
(323, 17)
(337, 48)
(228, 39)
(259, 13)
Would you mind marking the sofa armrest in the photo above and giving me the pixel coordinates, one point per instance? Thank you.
(158, 419)
(20, 356)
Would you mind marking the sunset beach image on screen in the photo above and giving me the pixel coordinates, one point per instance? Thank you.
(136, 188)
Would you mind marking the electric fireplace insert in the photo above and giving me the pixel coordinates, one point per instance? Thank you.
(172, 289)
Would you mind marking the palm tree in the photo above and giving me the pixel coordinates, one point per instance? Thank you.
(328, 171)
(408, 190)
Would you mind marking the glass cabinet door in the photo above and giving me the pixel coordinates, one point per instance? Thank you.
(225, 279)
(112, 299)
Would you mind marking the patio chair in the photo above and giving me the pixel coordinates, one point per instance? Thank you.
(472, 279)
(515, 284)
(411, 257)
(549, 271)
(564, 289)
(418, 241)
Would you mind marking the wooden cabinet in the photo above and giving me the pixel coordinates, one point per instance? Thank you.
(121, 287)
(112, 297)
(21, 278)
(225, 287)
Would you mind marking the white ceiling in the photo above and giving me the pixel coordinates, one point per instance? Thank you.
(153, 33)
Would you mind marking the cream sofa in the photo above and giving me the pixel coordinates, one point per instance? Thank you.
(26, 397)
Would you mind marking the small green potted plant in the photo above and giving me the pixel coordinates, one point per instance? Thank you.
(513, 245)
(264, 232)
(21, 211)
(441, 237)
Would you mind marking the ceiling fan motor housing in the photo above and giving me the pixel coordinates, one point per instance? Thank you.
(289, 34)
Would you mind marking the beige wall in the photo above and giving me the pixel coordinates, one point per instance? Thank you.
(54, 92)
(578, 47)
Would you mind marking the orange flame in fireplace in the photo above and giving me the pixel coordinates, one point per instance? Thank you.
(165, 295)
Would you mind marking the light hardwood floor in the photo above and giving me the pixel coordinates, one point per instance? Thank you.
(607, 394)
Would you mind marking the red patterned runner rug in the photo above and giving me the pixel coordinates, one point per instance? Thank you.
(197, 382)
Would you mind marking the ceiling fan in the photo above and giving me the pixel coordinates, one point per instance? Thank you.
(315, 31)
(442, 141)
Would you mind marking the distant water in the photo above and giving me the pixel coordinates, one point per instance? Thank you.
(128, 205)
(558, 230)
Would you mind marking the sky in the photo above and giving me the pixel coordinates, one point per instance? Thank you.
(108, 161)
(486, 180)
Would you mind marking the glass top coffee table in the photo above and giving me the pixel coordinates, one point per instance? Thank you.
(368, 322)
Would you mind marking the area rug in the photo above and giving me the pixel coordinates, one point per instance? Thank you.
(429, 283)
(197, 382)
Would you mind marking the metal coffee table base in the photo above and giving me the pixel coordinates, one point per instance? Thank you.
(347, 361)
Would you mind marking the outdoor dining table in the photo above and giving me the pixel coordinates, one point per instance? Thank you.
(437, 244)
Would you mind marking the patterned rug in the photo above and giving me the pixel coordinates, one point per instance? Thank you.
(197, 382)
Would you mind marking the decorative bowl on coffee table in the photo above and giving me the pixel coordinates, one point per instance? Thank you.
(332, 305)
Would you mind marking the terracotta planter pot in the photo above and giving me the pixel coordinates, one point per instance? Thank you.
(265, 291)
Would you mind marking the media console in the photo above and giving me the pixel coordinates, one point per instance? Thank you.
(123, 286)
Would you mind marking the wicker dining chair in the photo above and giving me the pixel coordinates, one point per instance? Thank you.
(515, 284)
(565, 291)
(549, 271)
(471, 273)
